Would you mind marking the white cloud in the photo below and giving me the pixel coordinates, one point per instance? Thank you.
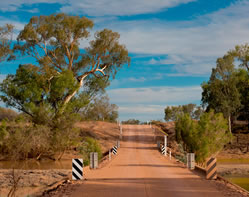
(164, 95)
(99, 7)
(2, 77)
(192, 45)
(186, 64)
(139, 79)
(141, 112)
(149, 103)
(14, 5)
(141, 109)
(18, 25)
(119, 7)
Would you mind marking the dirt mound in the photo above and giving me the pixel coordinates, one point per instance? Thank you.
(106, 133)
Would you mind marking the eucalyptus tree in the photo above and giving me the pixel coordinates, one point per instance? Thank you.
(61, 68)
(221, 92)
(6, 32)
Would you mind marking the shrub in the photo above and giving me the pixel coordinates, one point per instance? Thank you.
(90, 145)
(7, 114)
(206, 137)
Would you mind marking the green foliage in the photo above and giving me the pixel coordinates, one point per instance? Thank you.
(228, 86)
(205, 137)
(131, 121)
(221, 92)
(241, 53)
(7, 114)
(172, 112)
(213, 132)
(100, 109)
(3, 132)
(32, 141)
(5, 41)
(54, 84)
(90, 145)
(62, 82)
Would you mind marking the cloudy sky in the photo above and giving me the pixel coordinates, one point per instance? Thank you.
(173, 44)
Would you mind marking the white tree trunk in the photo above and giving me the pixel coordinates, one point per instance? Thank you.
(69, 97)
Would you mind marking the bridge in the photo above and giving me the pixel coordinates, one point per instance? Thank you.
(140, 170)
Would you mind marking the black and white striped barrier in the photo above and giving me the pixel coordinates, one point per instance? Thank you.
(115, 150)
(77, 169)
(211, 171)
(163, 150)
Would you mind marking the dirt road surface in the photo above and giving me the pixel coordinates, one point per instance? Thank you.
(139, 170)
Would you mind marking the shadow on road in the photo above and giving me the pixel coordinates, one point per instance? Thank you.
(149, 165)
(145, 148)
(158, 187)
(146, 139)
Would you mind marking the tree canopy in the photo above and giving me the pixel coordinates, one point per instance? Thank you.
(5, 41)
(206, 137)
(227, 90)
(63, 72)
(172, 112)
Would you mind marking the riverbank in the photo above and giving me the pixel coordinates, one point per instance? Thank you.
(30, 181)
(36, 176)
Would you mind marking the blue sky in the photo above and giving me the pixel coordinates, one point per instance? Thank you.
(173, 44)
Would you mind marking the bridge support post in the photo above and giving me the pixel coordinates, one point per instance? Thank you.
(165, 140)
(110, 155)
(191, 161)
(93, 160)
(118, 144)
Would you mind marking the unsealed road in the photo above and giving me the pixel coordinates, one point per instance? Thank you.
(139, 170)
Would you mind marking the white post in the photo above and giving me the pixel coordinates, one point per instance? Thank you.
(165, 141)
(165, 144)
(121, 130)
(110, 155)
(170, 154)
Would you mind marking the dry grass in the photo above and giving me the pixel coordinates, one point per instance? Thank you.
(106, 133)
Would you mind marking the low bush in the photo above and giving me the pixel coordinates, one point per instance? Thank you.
(7, 114)
(90, 145)
(205, 137)
(24, 141)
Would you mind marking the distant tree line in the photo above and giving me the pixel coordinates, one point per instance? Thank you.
(172, 112)
(131, 121)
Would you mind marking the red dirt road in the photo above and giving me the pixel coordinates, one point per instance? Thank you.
(139, 170)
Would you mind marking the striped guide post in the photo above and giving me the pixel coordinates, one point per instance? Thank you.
(163, 150)
(77, 169)
(115, 150)
(211, 171)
